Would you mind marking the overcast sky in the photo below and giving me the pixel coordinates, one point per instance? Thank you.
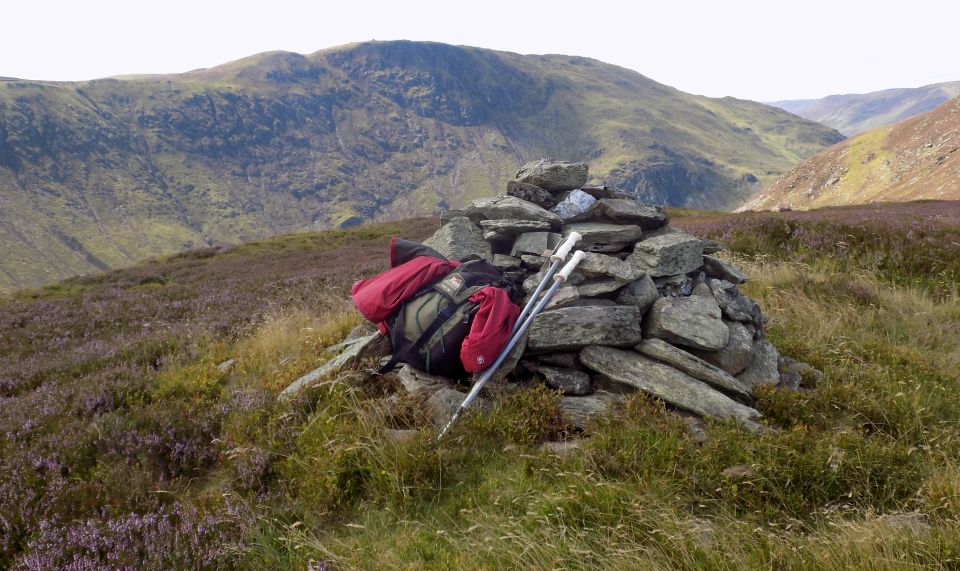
(750, 49)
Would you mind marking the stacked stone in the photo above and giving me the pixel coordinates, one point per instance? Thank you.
(650, 308)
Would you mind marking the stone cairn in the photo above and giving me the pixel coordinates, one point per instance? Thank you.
(650, 308)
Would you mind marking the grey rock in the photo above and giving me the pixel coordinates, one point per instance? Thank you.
(712, 246)
(667, 384)
(578, 410)
(567, 360)
(663, 231)
(593, 302)
(673, 286)
(503, 261)
(535, 243)
(693, 366)
(604, 265)
(531, 282)
(702, 290)
(570, 381)
(790, 381)
(448, 215)
(574, 327)
(443, 403)
(562, 449)
(792, 366)
(399, 436)
(688, 321)
(641, 293)
(563, 297)
(226, 365)
(370, 346)
(735, 355)
(575, 203)
(602, 233)
(533, 262)
(623, 211)
(511, 208)
(419, 383)
(717, 268)
(531, 193)
(553, 175)
(667, 255)
(735, 305)
(504, 228)
(458, 239)
(606, 191)
(762, 368)
(599, 286)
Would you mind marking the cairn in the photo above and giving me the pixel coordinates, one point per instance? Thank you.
(650, 308)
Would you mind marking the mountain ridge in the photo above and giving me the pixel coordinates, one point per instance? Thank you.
(107, 172)
(855, 113)
(916, 159)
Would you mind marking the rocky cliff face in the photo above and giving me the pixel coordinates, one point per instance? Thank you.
(912, 160)
(103, 173)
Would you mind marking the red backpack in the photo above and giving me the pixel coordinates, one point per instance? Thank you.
(443, 317)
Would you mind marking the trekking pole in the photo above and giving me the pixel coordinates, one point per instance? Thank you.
(558, 281)
(556, 258)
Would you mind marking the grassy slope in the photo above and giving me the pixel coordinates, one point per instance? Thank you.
(912, 160)
(115, 412)
(106, 173)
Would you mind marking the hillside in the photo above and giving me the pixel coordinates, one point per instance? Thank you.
(139, 425)
(853, 114)
(104, 173)
(912, 160)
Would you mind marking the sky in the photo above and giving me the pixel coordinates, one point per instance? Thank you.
(764, 51)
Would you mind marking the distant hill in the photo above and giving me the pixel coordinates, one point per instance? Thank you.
(914, 159)
(104, 173)
(856, 113)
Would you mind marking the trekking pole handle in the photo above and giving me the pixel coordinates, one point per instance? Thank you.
(566, 246)
(563, 274)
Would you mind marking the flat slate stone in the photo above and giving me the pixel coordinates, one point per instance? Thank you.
(762, 368)
(531, 193)
(689, 321)
(563, 297)
(571, 381)
(506, 228)
(448, 215)
(608, 266)
(458, 239)
(372, 345)
(603, 233)
(599, 286)
(667, 384)
(535, 243)
(574, 327)
(717, 268)
(511, 208)
(607, 191)
(554, 175)
(578, 410)
(693, 366)
(504, 261)
(667, 255)
(641, 293)
(624, 211)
